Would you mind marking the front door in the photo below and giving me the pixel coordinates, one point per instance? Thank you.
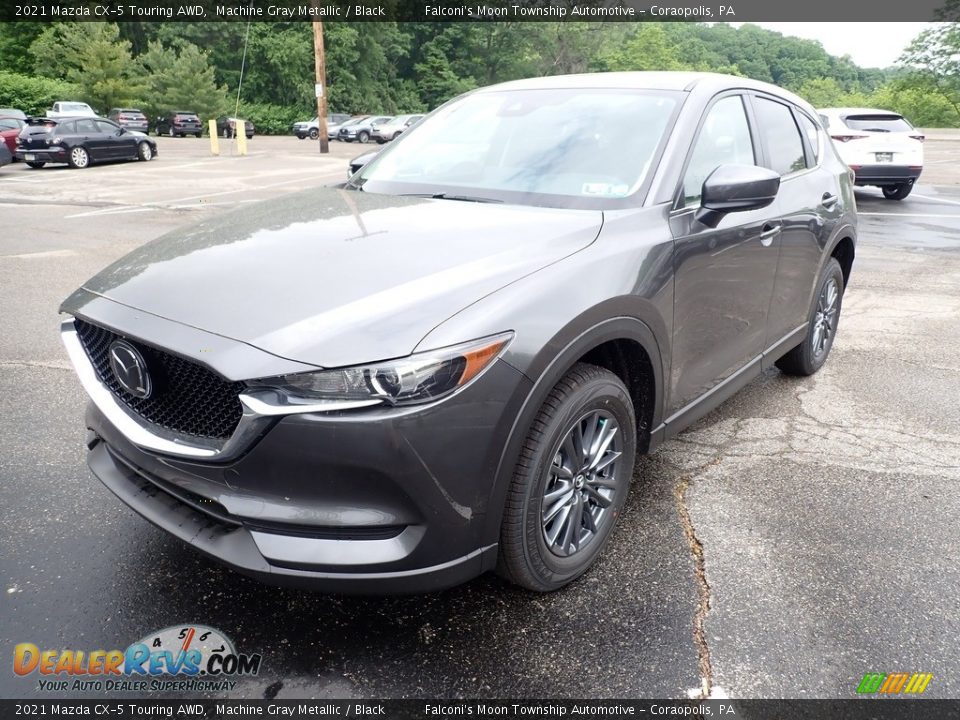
(723, 276)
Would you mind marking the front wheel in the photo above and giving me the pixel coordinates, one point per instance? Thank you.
(571, 480)
(79, 158)
(810, 355)
(145, 152)
(314, 133)
(897, 192)
(363, 137)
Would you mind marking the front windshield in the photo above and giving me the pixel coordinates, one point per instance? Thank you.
(550, 147)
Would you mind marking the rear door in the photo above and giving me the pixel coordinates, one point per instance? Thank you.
(808, 203)
(724, 275)
(93, 139)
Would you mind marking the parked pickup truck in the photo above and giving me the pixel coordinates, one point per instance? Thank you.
(70, 109)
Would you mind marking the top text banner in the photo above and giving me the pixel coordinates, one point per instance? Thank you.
(864, 11)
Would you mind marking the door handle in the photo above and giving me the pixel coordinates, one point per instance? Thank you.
(828, 200)
(769, 232)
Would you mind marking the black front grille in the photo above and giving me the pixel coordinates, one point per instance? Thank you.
(187, 398)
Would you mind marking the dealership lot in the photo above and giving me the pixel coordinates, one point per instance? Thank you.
(825, 507)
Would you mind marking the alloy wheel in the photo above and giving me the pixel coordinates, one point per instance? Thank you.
(582, 483)
(79, 157)
(825, 319)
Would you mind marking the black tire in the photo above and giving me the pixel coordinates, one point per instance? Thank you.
(249, 137)
(526, 555)
(78, 158)
(363, 137)
(36, 165)
(144, 152)
(395, 136)
(810, 355)
(897, 192)
(170, 132)
(314, 133)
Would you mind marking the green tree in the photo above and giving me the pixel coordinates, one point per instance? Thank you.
(15, 41)
(648, 48)
(933, 63)
(436, 80)
(180, 79)
(91, 56)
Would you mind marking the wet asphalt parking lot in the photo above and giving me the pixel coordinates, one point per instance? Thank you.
(822, 511)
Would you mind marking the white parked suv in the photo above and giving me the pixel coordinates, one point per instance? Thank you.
(881, 147)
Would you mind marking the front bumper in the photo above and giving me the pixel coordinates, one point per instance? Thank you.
(382, 500)
(885, 174)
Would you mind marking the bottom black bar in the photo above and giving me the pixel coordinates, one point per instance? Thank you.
(852, 709)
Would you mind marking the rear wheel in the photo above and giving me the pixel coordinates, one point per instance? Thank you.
(79, 158)
(810, 355)
(36, 165)
(314, 133)
(145, 152)
(897, 192)
(571, 480)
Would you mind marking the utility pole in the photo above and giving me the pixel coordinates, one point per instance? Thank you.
(320, 66)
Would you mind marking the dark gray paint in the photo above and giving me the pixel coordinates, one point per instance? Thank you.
(336, 278)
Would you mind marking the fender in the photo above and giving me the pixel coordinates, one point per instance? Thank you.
(615, 328)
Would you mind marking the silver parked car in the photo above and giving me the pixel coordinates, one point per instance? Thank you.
(390, 130)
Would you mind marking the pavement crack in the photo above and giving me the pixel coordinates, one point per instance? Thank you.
(48, 365)
(704, 664)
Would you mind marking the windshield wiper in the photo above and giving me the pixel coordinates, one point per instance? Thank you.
(447, 196)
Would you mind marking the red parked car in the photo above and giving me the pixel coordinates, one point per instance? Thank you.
(9, 129)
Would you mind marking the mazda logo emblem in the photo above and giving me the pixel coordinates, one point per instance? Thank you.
(130, 369)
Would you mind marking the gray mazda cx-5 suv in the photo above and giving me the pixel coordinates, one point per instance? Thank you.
(447, 365)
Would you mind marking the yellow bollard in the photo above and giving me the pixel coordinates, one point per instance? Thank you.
(214, 139)
(241, 134)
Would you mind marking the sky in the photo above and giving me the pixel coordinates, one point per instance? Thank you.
(869, 44)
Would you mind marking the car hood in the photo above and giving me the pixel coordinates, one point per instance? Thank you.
(334, 277)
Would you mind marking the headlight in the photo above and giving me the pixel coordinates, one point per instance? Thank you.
(419, 378)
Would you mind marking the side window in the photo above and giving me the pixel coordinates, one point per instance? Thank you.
(67, 129)
(812, 132)
(86, 126)
(779, 129)
(107, 128)
(724, 138)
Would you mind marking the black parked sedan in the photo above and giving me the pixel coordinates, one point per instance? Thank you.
(179, 124)
(227, 127)
(79, 142)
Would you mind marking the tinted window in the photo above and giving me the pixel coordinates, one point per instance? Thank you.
(779, 129)
(10, 124)
(724, 139)
(66, 128)
(813, 136)
(86, 127)
(107, 128)
(880, 122)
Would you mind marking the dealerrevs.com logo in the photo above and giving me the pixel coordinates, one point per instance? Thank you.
(178, 658)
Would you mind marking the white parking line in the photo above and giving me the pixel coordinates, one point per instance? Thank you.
(178, 203)
(939, 200)
(917, 215)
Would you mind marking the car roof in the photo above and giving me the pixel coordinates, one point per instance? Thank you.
(684, 81)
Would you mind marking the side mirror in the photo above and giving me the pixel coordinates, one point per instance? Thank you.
(736, 188)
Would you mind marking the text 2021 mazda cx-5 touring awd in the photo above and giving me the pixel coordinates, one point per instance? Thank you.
(448, 365)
